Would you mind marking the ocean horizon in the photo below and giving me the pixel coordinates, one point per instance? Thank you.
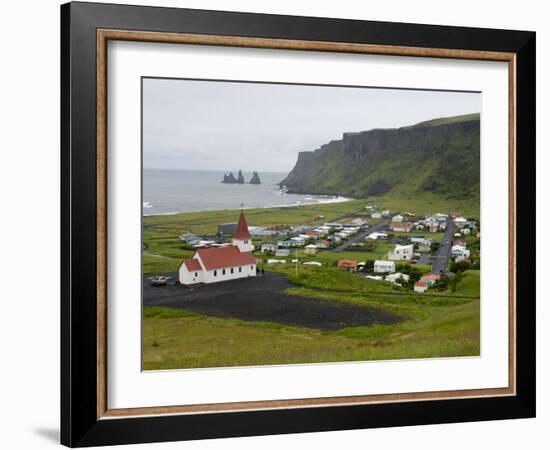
(173, 191)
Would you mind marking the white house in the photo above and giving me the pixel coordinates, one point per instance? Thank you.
(465, 231)
(215, 264)
(401, 252)
(460, 221)
(397, 218)
(268, 248)
(396, 276)
(459, 252)
(420, 286)
(377, 235)
(382, 266)
(376, 215)
(294, 242)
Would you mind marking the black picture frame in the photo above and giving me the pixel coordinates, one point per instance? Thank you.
(80, 425)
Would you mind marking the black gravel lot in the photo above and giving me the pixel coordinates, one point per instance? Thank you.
(261, 299)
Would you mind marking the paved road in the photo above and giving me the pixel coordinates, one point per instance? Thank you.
(262, 299)
(444, 253)
(360, 237)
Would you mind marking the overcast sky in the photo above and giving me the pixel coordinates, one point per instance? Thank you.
(211, 125)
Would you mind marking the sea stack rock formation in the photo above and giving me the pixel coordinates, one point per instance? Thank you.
(255, 178)
(230, 179)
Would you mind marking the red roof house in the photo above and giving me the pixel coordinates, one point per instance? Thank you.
(420, 286)
(347, 264)
(430, 279)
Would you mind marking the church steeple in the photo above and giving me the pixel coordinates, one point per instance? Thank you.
(241, 235)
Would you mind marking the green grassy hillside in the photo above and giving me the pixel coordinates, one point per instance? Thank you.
(439, 157)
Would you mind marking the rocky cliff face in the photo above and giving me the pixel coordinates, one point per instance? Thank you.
(440, 156)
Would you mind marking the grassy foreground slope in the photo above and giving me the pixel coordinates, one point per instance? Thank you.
(177, 339)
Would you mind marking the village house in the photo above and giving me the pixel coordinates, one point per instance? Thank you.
(334, 238)
(333, 225)
(401, 226)
(376, 215)
(420, 286)
(262, 232)
(227, 229)
(358, 222)
(433, 227)
(404, 252)
(376, 235)
(459, 253)
(430, 279)
(392, 278)
(292, 242)
(397, 218)
(460, 243)
(190, 238)
(282, 252)
(322, 244)
(322, 230)
(268, 248)
(465, 231)
(382, 266)
(425, 245)
(311, 249)
(348, 265)
(460, 221)
(386, 213)
(215, 264)
(416, 239)
(312, 234)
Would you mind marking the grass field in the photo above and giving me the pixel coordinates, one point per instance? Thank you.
(177, 339)
(425, 203)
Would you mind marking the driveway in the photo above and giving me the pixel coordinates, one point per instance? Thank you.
(261, 299)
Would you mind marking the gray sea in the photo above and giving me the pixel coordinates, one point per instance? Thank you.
(173, 191)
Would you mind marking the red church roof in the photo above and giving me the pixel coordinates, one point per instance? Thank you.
(241, 230)
(192, 264)
(219, 257)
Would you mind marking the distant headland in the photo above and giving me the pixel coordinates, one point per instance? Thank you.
(231, 179)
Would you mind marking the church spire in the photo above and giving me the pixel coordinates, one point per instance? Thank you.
(241, 230)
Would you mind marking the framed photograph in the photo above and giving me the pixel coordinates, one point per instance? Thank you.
(276, 224)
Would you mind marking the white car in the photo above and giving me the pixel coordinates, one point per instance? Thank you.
(159, 280)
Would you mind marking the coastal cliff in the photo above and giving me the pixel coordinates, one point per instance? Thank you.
(440, 156)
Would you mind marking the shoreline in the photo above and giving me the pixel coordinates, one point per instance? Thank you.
(332, 199)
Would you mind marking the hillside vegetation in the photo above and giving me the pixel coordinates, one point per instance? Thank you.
(439, 157)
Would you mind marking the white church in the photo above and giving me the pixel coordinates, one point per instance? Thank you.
(228, 262)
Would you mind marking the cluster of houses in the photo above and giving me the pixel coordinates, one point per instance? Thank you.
(465, 227)
(320, 237)
(404, 223)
